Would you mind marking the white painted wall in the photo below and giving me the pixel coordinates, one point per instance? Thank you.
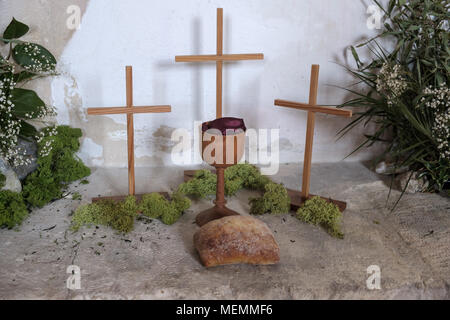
(293, 34)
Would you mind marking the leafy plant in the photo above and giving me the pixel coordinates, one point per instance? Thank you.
(408, 88)
(2, 180)
(25, 61)
(318, 211)
(57, 165)
(13, 209)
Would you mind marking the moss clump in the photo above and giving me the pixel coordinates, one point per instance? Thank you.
(240, 176)
(155, 206)
(117, 215)
(2, 180)
(121, 215)
(318, 211)
(275, 200)
(56, 168)
(201, 186)
(244, 176)
(13, 209)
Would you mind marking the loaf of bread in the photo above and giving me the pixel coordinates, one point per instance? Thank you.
(236, 239)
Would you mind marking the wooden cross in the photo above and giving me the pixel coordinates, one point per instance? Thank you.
(219, 58)
(129, 110)
(298, 198)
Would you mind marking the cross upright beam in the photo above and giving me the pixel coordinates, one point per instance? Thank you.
(219, 58)
(312, 109)
(130, 110)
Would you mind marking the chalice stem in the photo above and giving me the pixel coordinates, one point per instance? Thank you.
(220, 188)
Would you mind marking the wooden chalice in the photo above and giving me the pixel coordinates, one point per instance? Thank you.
(223, 144)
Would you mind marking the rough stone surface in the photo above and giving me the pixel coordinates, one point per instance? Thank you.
(159, 262)
(388, 168)
(30, 151)
(12, 182)
(414, 185)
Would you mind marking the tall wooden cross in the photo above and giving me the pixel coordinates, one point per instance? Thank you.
(219, 58)
(129, 110)
(298, 198)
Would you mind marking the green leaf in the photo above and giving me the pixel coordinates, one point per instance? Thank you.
(356, 57)
(26, 102)
(34, 57)
(22, 76)
(27, 130)
(15, 30)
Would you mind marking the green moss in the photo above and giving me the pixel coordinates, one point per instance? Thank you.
(76, 196)
(156, 206)
(153, 205)
(240, 176)
(117, 215)
(121, 215)
(246, 176)
(57, 168)
(13, 209)
(2, 180)
(318, 211)
(201, 186)
(275, 200)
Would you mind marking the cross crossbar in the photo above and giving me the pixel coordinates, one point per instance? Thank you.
(312, 109)
(317, 109)
(219, 58)
(127, 110)
(225, 57)
(130, 110)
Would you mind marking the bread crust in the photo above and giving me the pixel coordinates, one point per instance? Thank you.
(236, 239)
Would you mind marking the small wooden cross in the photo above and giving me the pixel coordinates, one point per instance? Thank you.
(298, 198)
(219, 58)
(129, 110)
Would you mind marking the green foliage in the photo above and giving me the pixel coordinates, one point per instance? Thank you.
(155, 206)
(202, 186)
(408, 88)
(2, 180)
(117, 215)
(121, 215)
(76, 196)
(244, 176)
(57, 166)
(275, 200)
(15, 30)
(237, 177)
(318, 211)
(241, 176)
(12, 209)
(24, 62)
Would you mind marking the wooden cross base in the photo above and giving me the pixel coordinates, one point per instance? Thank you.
(297, 200)
(121, 198)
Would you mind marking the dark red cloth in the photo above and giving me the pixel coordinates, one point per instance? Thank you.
(235, 125)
